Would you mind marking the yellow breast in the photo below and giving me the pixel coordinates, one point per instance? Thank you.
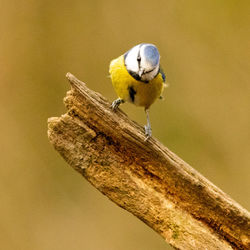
(131, 90)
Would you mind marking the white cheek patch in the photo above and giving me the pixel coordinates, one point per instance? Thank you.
(131, 59)
(145, 64)
(150, 75)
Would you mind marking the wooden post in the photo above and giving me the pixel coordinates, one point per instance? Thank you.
(145, 178)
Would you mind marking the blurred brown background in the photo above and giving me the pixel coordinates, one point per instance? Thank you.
(204, 118)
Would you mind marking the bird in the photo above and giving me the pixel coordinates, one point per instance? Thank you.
(138, 78)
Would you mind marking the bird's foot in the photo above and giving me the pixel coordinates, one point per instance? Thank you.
(148, 132)
(115, 104)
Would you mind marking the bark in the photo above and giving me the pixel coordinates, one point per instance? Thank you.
(144, 177)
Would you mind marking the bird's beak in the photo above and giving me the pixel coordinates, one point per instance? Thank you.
(140, 73)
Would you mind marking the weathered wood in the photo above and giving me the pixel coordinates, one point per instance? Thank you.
(145, 178)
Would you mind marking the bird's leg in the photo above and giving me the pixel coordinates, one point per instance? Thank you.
(148, 130)
(115, 104)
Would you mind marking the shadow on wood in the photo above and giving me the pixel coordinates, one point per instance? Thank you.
(145, 178)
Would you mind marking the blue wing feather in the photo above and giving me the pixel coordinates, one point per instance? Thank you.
(163, 75)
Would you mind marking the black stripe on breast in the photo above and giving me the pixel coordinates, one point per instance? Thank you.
(132, 93)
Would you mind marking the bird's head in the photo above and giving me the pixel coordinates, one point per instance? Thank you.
(143, 61)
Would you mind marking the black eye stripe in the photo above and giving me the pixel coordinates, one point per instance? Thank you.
(148, 71)
(139, 56)
(139, 60)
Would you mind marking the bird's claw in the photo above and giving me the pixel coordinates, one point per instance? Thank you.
(148, 132)
(115, 104)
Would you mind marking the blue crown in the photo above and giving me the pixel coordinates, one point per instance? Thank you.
(152, 55)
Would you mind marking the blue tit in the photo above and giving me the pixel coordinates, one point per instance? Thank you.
(137, 78)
